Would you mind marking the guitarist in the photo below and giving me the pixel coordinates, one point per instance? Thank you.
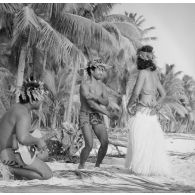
(16, 123)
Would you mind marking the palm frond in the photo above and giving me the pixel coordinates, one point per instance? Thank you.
(126, 13)
(62, 79)
(24, 20)
(132, 16)
(26, 17)
(139, 23)
(171, 103)
(117, 18)
(10, 7)
(56, 44)
(145, 31)
(41, 6)
(131, 32)
(82, 8)
(56, 9)
(138, 19)
(49, 80)
(177, 107)
(178, 73)
(43, 35)
(4, 99)
(53, 9)
(84, 32)
(102, 9)
(111, 28)
(128, 30)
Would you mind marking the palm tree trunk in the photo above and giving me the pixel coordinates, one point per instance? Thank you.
(45, 60)
(20, 73)
(53, 125)
(41, 106)
(68, 114)
(54, 117)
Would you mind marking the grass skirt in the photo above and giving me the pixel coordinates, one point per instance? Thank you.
(146, 153)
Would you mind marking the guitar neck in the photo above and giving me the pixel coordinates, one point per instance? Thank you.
(37, 133)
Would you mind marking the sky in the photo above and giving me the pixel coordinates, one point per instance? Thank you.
(175, 29)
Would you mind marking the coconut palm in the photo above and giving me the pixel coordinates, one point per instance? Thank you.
(138, 21)
(7, 80)
(56, 31)
(101, 10)
(174, 104)
(189, 85)
(53, 30)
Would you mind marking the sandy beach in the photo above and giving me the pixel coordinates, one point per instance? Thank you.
(112, 177)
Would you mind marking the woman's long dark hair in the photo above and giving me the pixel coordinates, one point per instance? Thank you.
(142, 63)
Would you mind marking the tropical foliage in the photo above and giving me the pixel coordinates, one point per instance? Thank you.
(53, 42)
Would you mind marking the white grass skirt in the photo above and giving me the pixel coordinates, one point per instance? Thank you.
(146, 153)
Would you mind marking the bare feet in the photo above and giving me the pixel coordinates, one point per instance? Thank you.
(81, 166)
(97, 168)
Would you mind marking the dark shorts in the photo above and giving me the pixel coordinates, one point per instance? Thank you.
(90, 118)
(10, 158)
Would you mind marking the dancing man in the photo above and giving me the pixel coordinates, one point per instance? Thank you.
(15, 126)
(92, 97)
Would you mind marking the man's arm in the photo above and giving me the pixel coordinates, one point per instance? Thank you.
(137, 88)
(98, 108)
(22, 131)
(104, 98)
(84, 90)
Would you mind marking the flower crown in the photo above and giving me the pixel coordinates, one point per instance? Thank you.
(144, 55)
(97, 62)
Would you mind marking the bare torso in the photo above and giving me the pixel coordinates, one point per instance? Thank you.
(8, 123)
(95, 88)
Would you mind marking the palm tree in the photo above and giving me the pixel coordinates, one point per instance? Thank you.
(189, 85)
(6, 83)
(138, 21)
(55, 30)
(174, 104)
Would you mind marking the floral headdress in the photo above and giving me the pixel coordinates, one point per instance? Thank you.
(144, 55)
(97, 63)
(32, 90)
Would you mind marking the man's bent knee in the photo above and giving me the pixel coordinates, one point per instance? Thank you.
(47, 174)
(89, 146)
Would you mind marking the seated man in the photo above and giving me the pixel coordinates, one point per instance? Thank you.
(15, 127)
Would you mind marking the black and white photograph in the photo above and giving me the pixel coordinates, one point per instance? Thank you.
(97, 97)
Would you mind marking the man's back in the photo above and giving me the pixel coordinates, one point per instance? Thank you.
(7, 125)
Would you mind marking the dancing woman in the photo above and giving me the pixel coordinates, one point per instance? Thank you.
(146, 154)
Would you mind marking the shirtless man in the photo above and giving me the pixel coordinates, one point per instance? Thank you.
(16, 123)
(92, 97)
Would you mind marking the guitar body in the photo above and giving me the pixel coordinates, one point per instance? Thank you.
(27, 153)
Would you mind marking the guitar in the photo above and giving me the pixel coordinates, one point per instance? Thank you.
(28, 153)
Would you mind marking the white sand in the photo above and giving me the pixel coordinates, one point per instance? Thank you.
(113, 173)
